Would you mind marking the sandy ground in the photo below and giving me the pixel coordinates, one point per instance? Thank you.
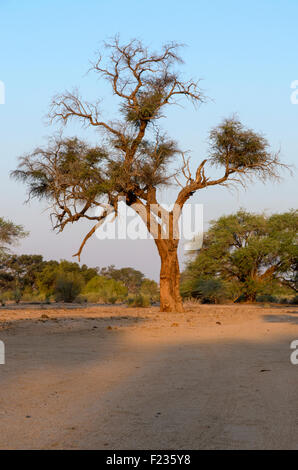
(216, 377)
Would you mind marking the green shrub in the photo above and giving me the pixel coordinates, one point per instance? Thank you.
(209, 291)
(80, 299)
(92, 297)
(68, 287)
(112, 299)
(283, 300)
(101, 289)
(138, 301)
(94, 285)
(17, 295)
(112, 292)
(294, 300)
(266, 298)
(187, 287)
(150, 289)
(27, 294)
(130, 299)
(7, 295)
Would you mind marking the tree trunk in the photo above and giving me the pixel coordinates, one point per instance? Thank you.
(170, 298)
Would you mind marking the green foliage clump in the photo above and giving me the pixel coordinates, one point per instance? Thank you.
(138, 301)
(67, 287)
(150, 289)
(17, 295)
(130, 277)
(267, 298)
(101, 289)
(32, 279)
(56, 278)
(209, 291)
(81, 299)
(134, 281)
(10, 233)
(252, 254)
(233, 145)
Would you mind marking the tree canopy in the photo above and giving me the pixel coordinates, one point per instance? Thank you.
(130, 277)
(31, 278)
(251, 250)
(10, 233)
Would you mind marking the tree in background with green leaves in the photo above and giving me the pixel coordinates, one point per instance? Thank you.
(130, 277)
(31, 278)
(21, 272)
(64, 280)
(250, 253)
(136, 283)
(10, 234)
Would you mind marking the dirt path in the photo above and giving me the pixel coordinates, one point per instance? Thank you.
(216, 377)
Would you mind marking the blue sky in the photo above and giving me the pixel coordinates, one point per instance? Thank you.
(245, 53)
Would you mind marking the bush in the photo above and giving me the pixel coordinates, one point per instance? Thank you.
(209, 291)
(101, 289)
(266, 298)
(138, 301)
(68, 287)
(4, 296)
(27, 294)
(7, 295)
(112, 299)
(284, 301)
(17, 295)
(80, 299)
(150, 289)
(92, 297)
(187, 287)
(294, 300)
(110, 294)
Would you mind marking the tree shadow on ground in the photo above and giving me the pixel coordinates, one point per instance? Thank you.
(291, 317)
(64, 341)
(225, 394)
(212, 393)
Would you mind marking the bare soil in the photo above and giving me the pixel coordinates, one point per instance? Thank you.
(215, 377)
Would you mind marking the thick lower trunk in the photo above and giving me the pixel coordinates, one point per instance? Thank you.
(170, 298)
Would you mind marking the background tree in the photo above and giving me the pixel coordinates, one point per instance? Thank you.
(150, 289)
(9, 234)
(21, 272)
(130, 277)
(71, 278)
(250, 251)
(134, 281)
(106, 290)
(134, 160)
(209, 291)
(68, 286)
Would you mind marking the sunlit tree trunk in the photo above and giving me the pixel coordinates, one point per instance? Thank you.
(170, 298)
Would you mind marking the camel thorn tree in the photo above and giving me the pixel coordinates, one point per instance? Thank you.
(134, 160)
